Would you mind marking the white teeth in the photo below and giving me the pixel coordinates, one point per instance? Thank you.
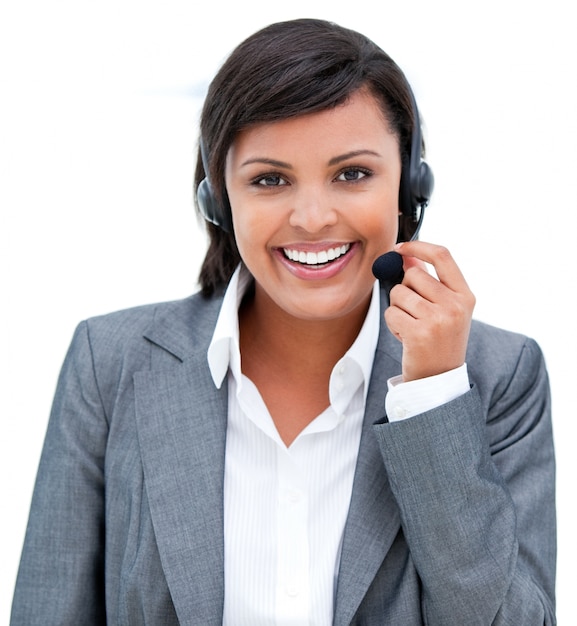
(316, 258)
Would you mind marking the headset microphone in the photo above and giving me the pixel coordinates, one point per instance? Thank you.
(388, 266)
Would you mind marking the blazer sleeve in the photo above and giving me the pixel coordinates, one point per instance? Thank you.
(474, 480)
(61, 574)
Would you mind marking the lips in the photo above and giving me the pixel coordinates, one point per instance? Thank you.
(320, 257)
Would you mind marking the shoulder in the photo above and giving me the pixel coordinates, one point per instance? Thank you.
(500, 345)
(139, 318)
(179, 324)
(152, 335)
(109, 349)
(505, 366)
(502, 348)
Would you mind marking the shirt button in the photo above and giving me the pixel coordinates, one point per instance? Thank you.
(292, 591)
(400, 411)
(342, 369)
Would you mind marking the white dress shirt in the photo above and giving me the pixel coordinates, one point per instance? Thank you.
(285, 508)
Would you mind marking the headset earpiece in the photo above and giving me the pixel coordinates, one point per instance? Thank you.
(417, 180)
(211, 209)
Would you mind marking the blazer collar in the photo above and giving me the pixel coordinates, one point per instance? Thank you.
(181, 423)
(184, 328)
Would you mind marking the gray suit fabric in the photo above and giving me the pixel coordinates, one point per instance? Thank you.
(452, 518)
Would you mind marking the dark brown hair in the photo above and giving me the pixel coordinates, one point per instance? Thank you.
(285, 70)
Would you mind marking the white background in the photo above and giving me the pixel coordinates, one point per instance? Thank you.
(98, 111)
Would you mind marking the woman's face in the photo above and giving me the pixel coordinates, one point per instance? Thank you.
(314, 202)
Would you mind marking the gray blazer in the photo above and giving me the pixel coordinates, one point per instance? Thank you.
(452, 518)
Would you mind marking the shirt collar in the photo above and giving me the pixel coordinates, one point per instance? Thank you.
(224, 349)
(362, 352)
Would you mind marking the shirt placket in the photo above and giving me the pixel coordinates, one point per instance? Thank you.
(293, 557)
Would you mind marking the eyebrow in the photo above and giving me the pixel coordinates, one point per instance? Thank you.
(266, 161)
(334, 161)
(352, 154)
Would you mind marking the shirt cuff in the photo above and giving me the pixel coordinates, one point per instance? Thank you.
(405, 400)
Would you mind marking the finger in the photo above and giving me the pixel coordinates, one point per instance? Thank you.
(410, 321)
(415, 305)
(440, 258)
(413, 261)
(425, 285)
(398, 321)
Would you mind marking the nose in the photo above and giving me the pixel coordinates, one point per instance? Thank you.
(312, 209)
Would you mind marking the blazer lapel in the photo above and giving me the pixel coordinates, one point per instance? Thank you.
(181, 424)
(373, 521)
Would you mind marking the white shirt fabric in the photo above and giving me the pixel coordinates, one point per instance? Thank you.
(285, 508)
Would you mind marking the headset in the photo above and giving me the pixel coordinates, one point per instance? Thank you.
(218, 213)
(416, 186)
(417, 179)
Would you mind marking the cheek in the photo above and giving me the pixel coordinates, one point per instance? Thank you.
(380, 225)
(257, 217)
(244, 223)
(252, 230)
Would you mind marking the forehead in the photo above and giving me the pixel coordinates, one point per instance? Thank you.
(357, 122)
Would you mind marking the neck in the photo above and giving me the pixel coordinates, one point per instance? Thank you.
(299, 347)
(290, 359)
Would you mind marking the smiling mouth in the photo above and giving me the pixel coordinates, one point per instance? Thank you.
(316, 258)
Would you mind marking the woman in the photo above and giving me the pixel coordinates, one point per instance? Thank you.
(298, 444)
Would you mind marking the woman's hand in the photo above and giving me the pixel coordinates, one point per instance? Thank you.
(430, 317)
